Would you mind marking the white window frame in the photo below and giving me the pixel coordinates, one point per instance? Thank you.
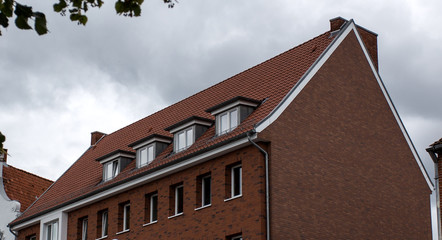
(104, 223)
(228, 113)
(152, 208)
(148, 158)
(115, 169)
(176, 199)
(233, 181)
(203, 190)
(126, 215)
(187, 143)
(51, 230)
(84, 226)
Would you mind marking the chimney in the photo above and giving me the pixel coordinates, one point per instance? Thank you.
(369, 38)
(95, 136)
(4, 155)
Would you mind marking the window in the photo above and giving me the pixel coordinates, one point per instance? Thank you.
(233, 181)
(227, 121)
(111, 170)
(236, 181)
(51, 231)
(32, 237)
(145, 155)
(82, 228)
(102, 223)
(236, 237)
(184, 139)
(151, 209)
(177, 200)
(204, 192)
(124, 219)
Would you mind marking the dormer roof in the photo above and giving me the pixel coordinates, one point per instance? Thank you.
(233, 102)
(189, 122)
(150, 139)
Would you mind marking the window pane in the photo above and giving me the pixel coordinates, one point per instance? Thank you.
(126, 217)
(206, 190)
(236, 177)
(233, 119)
(84, 230)
(179, 200)
(150, 154)
(189, 134)
(115, 169)
(154, 208)
(104, 224)
(108, 174)
(49, 232)
(143, 156)
(223, 123)
(181, 140)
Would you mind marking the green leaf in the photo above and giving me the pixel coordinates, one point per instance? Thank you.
(8, 7)
(22, 22)
(58, 7)
(137, 10)
(119, 7)
(77, 3)
(74, 17)
(83, 19)
(40, 23)
(4, 21)
(22, 10)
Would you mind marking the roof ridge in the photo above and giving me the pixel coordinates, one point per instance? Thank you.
(212, 86)
(33, 174)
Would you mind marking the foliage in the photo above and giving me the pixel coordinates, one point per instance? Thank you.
(75, 8)
(2, 140)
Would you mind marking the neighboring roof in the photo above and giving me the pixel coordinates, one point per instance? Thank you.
(436, 143)
(270, 80)
(23, 186)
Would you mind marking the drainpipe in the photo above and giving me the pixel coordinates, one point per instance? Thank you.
(9, 227)
(266, 156)
(432, 152)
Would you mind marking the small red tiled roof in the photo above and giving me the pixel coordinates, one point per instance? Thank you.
(270, 80)
(23, 186)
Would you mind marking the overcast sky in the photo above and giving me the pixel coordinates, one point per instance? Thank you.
(58, 88)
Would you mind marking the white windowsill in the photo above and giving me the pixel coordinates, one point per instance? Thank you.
(176, 215)
(101, 238)
(150, 223)
(235, 197)
(202, 207)
(124, 231)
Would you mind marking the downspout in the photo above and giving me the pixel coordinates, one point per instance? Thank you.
(266, 156)
(9, 227)
(432, 152)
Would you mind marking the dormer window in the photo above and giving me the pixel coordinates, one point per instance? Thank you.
(114, 162)
(111, 170)
(228, 121)
(186, 132)
(231, 113)
(149, 147)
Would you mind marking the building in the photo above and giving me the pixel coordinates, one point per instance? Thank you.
(18, 190)
(306, 145)
(435, 151)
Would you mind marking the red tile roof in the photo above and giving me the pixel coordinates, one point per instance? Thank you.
(23, 186)
(270, 80)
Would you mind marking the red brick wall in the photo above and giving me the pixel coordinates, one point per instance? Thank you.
(245, 214)
(27, 232)
(340, 166)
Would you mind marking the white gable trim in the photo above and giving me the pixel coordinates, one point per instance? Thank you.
(305, 79)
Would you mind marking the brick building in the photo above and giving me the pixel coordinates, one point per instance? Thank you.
(18, 190)
(306, 145)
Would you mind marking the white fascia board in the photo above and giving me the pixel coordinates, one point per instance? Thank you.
(191, 123)
(279, 109)
(145, 143)
(232, 105)
(117, 155)
(141, 180)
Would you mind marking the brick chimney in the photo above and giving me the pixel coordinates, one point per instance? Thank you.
(95, 136)
(4, 156)
(369, 38)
